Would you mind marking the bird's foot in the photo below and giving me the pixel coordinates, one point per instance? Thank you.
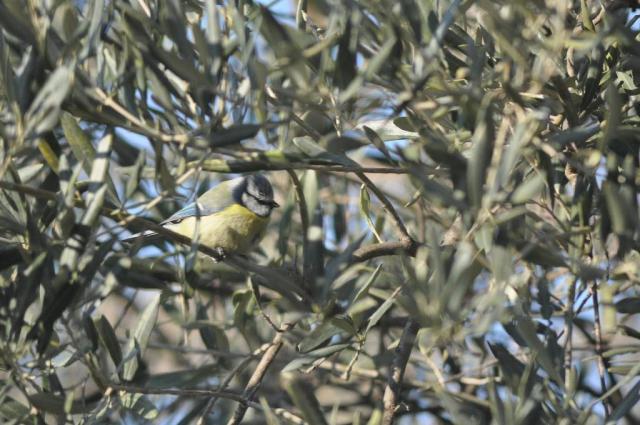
(222, 254)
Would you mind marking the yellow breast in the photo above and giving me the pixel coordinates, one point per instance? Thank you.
(235, 229)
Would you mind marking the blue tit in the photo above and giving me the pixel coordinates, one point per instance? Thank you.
(231, 217)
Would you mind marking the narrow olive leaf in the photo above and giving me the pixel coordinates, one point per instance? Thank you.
(629, 305)
(365, 205)
(315, 254)
(100, 167)
(364, 290)
(213, 337)
(577, 135)
(52, 403)
(625, 405)
(285, 46)
(528, 189)
(12, 410)
(317, 336)
(375, 418)
(594, 81)
(318, 154)
(512, 368)
(585, 14)
(134, 177)
(388, 130)
(521, 136)
(378, 143)
(138, 342)
(527, 330)
(278, 279)
(463, 272)
(48, 154)
(311, 191)
(78, 141)
(233, 135)
(174, 24)
(345, 323)
(183, 378)
(346, 68)
(314, 355)
(298, 363)
(269, 416)
(285, 225)
(629, 331)
(141, 407)
(305, 400)
(620, 212)
(92, 39)
(109, 340)
(94, 208)
(213, 35)
(382, 310)
(613, 116)
(370, 70)
(44, 112)
(15, 20)
(481, 153)
(544, 299)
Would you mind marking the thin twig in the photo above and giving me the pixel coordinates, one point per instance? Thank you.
(396, 372)
(568, 332)
(258, 375)
(186, 392)
(248, 165)
(223, 385)
(593, 289)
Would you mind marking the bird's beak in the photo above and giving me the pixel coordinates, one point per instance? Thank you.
(274, 204)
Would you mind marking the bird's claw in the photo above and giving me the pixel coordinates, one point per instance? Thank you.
(222, 254)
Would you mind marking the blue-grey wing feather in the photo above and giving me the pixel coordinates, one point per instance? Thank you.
(211, 202)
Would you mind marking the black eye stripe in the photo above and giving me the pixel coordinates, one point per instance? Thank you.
(260, 201)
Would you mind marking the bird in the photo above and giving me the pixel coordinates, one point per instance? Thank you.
(230, 218)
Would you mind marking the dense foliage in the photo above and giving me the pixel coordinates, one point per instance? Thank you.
(459, 231)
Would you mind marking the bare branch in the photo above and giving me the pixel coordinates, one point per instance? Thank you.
(406, 247)
(259, 373)
(396, 372)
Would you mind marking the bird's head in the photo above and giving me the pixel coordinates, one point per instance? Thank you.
(257, 195)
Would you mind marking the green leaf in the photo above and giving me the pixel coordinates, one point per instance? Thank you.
(629, 305)
(481, 153)
(213, 337)
(319, 335)
(381, 311)
(625, 405)
(364, 290)
(528, 189)
(52, 403)
(314, 355)
(527, 330)
(79, 142)
(365, 204)
(305, 400)
(44, 112)
(587, 23)
(370, 70)
(109, 339)
(378, 143)
(140, 338)
(11, 409)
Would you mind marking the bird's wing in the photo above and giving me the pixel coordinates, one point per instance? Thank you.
(211, 202)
